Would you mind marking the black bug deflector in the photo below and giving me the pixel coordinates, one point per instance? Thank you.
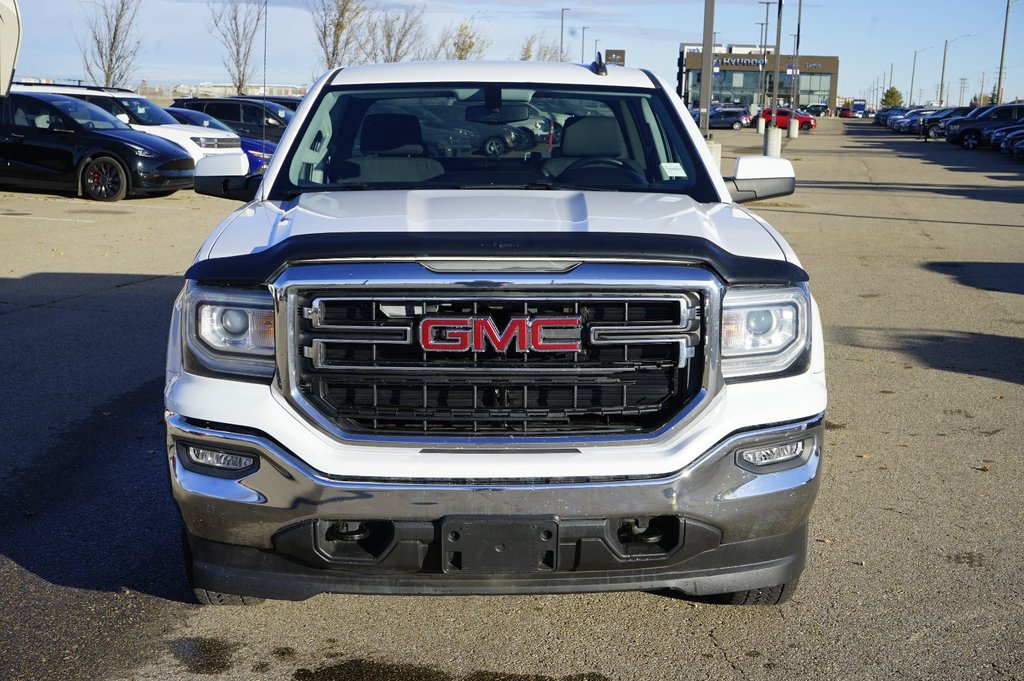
(261, 267)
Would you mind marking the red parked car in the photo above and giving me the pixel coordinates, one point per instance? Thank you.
(782, 117)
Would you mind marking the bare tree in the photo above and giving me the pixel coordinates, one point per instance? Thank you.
(394, 36)
(462, 41)
(538, 47)
(111, 50)
(336, 24)
(235, 24)
(529, 45)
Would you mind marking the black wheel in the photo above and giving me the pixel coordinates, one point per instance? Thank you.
(737, 125)
(494, 146)
(933, 132)
(771, 595)
(216, 598)
(104, 180)
(970, 140)
(204, 596)
(805, 126)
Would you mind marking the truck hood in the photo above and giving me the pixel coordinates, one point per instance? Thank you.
(260, 225)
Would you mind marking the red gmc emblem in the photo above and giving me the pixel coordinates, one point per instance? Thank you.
(523, 334)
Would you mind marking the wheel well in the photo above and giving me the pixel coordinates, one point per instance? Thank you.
(101, 154)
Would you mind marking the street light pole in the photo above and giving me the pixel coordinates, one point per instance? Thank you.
(763, 86)
(795, 99)
(1002, 56)
(778, 58)
(583, 46)
(561, 35)
(913, 71)
(707, 76)
(942, 79)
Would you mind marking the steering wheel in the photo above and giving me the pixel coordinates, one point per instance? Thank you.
(598, 162)
(628, 171)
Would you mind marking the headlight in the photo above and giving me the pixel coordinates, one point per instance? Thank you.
(231, 331)
(261, 155)
(954, 126)
(206, 142)
(764, 331)
(142, 151)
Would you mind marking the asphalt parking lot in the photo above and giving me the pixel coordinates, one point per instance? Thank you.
(916, 258)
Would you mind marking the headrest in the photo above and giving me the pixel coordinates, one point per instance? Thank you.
(392, 135)
(592, 136)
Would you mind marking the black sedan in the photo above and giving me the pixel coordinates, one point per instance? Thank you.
(55, 142)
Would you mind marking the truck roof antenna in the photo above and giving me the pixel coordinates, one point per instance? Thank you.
(598, 66)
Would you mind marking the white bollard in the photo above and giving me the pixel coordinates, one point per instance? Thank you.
(716, 152)
(773, 142)
(793, 130)
(760, 125)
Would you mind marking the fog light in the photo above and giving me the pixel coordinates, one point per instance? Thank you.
(219, 459)
(763, 456)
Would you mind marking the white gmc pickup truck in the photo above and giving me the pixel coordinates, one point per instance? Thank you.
(415, 361)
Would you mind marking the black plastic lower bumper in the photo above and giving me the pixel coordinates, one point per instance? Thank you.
(587, 559)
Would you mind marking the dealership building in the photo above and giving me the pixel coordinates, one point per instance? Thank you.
(740, 71)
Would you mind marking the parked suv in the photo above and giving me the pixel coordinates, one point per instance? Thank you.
(967, 132)
(145, 116)
(584, 367)
(56, 142)
(262, 119)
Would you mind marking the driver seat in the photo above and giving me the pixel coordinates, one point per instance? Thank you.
(587, 137)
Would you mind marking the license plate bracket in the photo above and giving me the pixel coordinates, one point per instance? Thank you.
(506, 546)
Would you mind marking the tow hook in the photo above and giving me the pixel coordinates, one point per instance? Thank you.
(640, 530)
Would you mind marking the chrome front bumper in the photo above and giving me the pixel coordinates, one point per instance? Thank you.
(730, 514)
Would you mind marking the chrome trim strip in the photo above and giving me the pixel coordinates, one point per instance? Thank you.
(178, 427)
(593, 281)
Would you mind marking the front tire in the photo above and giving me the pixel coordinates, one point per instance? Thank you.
(737, 125)
(205, 596)
(217, 598)
(772, 595)
(494, 146)
(104, 180)
(970, 140)
(805, 126)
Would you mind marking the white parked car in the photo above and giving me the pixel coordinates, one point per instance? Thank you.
(144, 115)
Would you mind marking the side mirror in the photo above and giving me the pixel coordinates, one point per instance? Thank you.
(226, 177)
(761, 177)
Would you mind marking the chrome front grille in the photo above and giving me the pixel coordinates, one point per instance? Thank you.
(358, 360)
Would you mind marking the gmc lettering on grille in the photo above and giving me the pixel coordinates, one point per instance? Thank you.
(522, 334)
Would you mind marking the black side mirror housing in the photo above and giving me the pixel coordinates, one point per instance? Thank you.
(228, 187)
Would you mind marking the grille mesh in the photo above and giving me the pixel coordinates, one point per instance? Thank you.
(361, 365)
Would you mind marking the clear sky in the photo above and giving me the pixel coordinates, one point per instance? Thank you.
(866, 35)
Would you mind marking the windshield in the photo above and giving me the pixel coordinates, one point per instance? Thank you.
(201, 119)
(144, 112)
(483, 135)
(88, 115)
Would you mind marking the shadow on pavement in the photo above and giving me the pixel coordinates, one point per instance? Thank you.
(937, 151)
(1005, 277)
(978, 354)
(84, 497)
